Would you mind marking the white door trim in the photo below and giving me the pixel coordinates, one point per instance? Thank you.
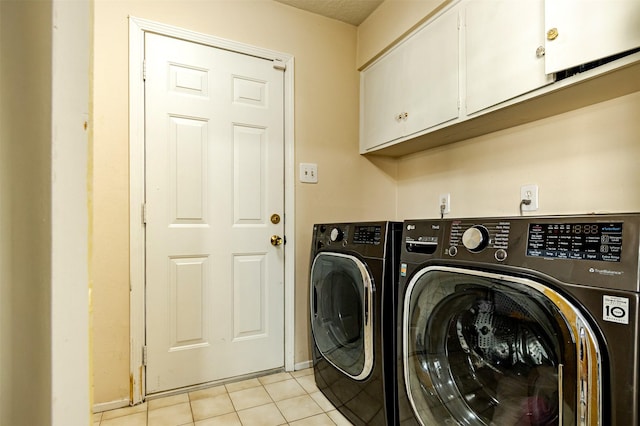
(137, 28)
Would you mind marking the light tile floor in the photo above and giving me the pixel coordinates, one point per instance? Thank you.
(277, 399)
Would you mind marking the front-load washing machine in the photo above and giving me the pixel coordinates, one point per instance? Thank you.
(354, 270)
(519, 321)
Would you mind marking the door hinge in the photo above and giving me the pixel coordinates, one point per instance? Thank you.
(279, 64)
(144, 213)
(144, 70)
(144, 355)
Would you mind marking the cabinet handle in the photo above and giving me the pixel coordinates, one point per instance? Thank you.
(402, 116)
(540, 51)
(552, 34)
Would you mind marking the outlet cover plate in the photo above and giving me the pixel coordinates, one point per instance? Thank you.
(529, 192)
(446, 200)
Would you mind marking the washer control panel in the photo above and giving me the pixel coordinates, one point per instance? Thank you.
(422, 239)
(577, 241)
(598, 250)
(477, 237)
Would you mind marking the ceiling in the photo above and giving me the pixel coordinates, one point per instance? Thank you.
(350, 11)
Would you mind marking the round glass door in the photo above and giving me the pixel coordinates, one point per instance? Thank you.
(341, 292)
(485, 349)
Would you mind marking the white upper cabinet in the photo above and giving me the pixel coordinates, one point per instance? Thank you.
(432, 74)
(382, 101)
(486, 65)
(412, 88)
(504, 51)
(582, 31)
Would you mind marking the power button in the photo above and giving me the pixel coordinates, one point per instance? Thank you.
(501, 255)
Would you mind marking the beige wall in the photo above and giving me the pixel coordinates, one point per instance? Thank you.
(584, 161)
(326, 132)
(389, 23)
(44, 331)
(5, 242)
(25, 216)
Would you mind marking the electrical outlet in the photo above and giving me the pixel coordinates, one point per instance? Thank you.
(529, 192)
(308, 173)
(444, 200)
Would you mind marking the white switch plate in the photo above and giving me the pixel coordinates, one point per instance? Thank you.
(308, 173)
(529, 192)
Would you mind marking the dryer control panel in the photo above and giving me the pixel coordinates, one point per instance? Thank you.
(367, 234)
(370, 239)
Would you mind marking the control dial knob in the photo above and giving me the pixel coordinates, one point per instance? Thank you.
(475, 238)
(336, 234)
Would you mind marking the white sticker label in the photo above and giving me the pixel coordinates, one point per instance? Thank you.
(615, 309)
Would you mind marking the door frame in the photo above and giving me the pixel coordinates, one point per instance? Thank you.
(137, 29)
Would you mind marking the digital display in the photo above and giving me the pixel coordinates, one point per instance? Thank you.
(586, 241)
(367, 235)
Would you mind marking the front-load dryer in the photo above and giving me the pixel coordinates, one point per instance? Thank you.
(354, 270)
(519, 321)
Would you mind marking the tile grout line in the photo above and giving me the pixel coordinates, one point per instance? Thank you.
(193, 417)
(262, 385)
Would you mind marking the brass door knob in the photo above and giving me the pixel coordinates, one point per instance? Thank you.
(276, 240)
(552, 34)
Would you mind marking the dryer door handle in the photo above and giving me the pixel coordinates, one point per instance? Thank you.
(314, 300)
(366, 305)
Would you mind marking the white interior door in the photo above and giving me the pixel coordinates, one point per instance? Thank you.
(214, 176)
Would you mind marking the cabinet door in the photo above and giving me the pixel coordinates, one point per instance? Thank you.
(381, 101)
(588, 30)
(502, 37)
(431, 74)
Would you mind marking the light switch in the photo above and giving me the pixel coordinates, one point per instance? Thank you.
(308, 173)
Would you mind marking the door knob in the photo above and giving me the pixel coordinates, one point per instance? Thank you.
(276, 240)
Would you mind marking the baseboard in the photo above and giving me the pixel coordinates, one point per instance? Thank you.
(303, 365)
(112, 405)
